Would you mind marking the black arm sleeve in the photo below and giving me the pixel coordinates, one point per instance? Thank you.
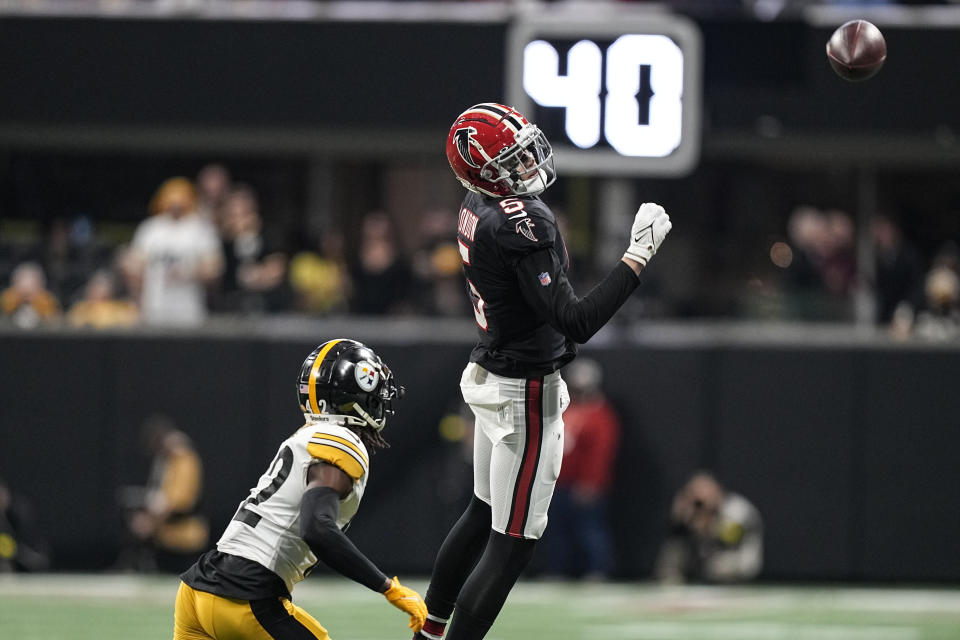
(318, 528)
(556, 302)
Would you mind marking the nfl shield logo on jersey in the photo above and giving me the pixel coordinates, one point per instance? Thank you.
(544, 278)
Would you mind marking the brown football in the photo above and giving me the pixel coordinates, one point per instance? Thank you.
(856, 50)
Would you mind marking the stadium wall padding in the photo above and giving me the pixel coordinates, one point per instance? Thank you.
(849, 453)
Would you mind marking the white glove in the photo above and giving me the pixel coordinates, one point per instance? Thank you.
(650, 227)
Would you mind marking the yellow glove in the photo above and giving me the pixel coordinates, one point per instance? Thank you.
(408, 601)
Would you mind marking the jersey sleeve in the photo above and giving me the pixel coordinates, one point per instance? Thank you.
(546, 288)
(527, 226)
(340, 450)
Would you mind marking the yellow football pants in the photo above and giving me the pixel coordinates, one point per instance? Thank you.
(204, 616)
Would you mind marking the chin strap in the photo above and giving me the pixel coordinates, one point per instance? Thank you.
(367, 418)
(535, 185)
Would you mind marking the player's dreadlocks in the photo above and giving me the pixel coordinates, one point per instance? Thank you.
(371, 438)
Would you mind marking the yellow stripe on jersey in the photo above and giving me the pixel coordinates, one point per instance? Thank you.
(313, 374)
(330, 436)
(344, 460)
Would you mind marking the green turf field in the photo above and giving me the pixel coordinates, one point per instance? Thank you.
(94, 607)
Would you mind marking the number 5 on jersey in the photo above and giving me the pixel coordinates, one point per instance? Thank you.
(478, 305)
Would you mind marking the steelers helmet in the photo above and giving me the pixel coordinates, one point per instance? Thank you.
(345, 377)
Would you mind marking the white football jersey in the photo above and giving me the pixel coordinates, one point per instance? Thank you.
(172, 247)
(266, 527)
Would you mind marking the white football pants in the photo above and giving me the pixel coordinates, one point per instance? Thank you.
(517, 446)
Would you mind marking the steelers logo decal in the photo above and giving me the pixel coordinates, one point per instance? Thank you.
(367, 375)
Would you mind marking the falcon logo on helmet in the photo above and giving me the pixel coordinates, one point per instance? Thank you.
(462, 137)
(516, 157)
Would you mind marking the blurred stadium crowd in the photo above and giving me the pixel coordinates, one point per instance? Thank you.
(683, 4)
(203, 246)
(298, 9)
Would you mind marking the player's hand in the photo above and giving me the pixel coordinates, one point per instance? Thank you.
(409, 601)
(650, 226)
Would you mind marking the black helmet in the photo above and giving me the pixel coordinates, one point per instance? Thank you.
(345, 377)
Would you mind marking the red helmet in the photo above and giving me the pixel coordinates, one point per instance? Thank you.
(494, 150)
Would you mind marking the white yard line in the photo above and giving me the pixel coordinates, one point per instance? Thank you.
(748, 631)
(586, 599)
(720, 599)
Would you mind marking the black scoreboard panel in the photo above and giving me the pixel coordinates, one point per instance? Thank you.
(615, 97)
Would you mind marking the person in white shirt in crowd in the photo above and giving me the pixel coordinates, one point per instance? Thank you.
(174, 257)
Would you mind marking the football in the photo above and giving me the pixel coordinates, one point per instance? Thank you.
(856, 50)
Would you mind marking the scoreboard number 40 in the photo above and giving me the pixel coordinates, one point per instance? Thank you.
(629, 93)
(658, 134)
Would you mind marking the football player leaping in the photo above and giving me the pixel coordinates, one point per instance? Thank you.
(296, 512)
(529, 322)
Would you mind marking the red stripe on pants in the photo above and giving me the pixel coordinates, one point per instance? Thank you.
(531, 456)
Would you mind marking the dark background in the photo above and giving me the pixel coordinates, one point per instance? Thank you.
(848, 452)
(157, 73)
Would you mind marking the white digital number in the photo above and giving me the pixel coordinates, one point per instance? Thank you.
(621, 128)
(579, 91)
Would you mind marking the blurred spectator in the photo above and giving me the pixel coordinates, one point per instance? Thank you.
(320, 279)
(68, 255)
(839, 256)
(715, 535)
(822, 271)
(580, 542)
(899, 269)
(213, 185)
(254, 277)
(165, 527)
(866, 3)
(123, 284)
(26, 301)
(381, 277)
(939, 319)
(99, 308)
(437, 268)
(174, 256)
(806, 230)
(22, 548)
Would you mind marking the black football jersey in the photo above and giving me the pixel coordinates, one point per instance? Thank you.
(529, 318)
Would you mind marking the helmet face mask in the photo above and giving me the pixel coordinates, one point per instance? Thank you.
(494, 150)
(346, 378)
